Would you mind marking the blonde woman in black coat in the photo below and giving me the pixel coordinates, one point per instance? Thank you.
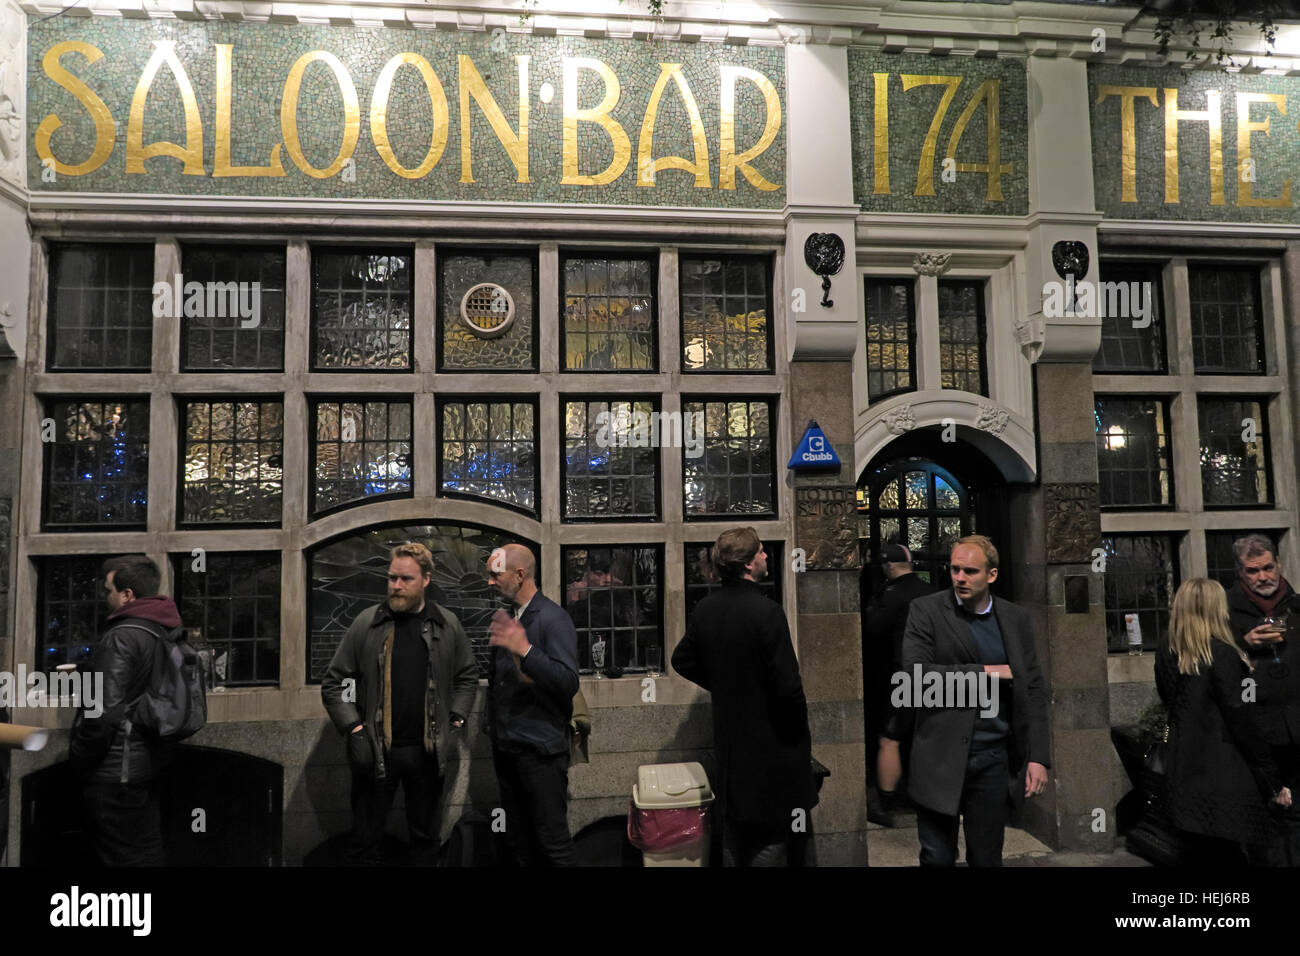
(1220, 774)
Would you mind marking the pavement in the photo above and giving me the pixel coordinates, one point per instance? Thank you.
(899, 846)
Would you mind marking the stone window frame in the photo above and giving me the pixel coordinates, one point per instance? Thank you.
(294, 697)
(1181, 386)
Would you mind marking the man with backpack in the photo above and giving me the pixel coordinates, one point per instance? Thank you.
(122, 759)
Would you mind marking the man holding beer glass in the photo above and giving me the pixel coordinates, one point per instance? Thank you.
(1261, 604)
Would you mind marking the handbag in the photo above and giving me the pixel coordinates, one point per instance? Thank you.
(1157, 757)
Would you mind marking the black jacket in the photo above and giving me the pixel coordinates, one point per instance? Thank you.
(737, 647)
(1277, 686)
(887, 615)
(109, 747)
(1219, 772)
(939, 639)
(530, 705)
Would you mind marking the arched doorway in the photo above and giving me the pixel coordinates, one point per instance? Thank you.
(926, 493)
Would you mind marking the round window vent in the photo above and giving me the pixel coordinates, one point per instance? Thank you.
(487, 310)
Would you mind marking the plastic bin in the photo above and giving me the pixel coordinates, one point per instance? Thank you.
(668, 818)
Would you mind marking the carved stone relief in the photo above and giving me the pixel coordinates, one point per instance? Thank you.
(1073, 512)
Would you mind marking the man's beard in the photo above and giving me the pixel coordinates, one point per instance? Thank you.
(1267, 592)
(401, 604)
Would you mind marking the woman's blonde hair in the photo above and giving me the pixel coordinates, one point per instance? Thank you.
(1200, 617)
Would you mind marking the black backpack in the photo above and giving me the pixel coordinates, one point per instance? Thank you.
(174, 705)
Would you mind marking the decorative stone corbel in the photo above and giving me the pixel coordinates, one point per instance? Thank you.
(900, 420)
(992, 418)
(931, 263)
(1031, 335)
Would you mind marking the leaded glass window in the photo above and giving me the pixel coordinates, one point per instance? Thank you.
(1221, 560)
(611, 466)
(729, 469)
(361, 310)
(1234, 451)
(242, 327)
(230, 606)
(71, 607)
(613, 595)
(702, 578)
(101, 307)
(891, 337)
(609, 314)
(350, 574)
(1129, 294)
(487, 312)
(725, 304)
(1133, 452)
(97, 466)
(1141, 577)
(362, 451)
(233, 461)
(1227, 325)
(961, 336)
(489, 450)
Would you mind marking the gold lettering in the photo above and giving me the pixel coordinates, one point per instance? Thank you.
(1246, 126)
(192, 152)
(289, 114)
(1128, 132)
(1212, 116)
(646, 168)
(881, 105)
(728, 159)
(221, 157)
(600, 116)
(105, 128)
(925, 168)
(516, 145)
(988, 92)
(379, 115)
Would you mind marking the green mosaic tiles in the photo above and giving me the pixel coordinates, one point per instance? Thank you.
(1175, 144)
(222, 94)
(939, 134)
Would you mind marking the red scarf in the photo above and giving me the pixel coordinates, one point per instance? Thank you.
(1266, 605)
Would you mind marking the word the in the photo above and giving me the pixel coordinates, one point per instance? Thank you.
(208, 300)
(41, 690)
(652, 430)
(953, 689)
(103, 909)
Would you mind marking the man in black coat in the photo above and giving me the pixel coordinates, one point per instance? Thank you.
(121, 765)
(533, 678)
(883, 627)
(737, 647)
(978, 762)
(1260, 592)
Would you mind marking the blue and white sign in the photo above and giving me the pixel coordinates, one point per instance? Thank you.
(814, 451)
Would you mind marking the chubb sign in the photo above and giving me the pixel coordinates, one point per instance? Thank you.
(388, 104)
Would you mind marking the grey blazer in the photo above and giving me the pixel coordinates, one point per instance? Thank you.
(939, 639)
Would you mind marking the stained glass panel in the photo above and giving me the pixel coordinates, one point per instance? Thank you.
(489, 450)
(72, 609)
(244, 327)
(609, 315)
(1133, 453)
(97, 466)
(233, 462)
(466, 350)
(1234, 452)
(1227, 326)
(362, 450)
(891, 337)
(961, 336)
(733, 471)
(362, 310)
(1141, 577)
(610, 469)
(101, 307)
(724, 314)
(613, 596)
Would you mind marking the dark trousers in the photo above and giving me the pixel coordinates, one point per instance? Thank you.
(776, 845)
(985, 808)
(535, 798)
(125, 823)
(417, 773)
(1207, 851)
